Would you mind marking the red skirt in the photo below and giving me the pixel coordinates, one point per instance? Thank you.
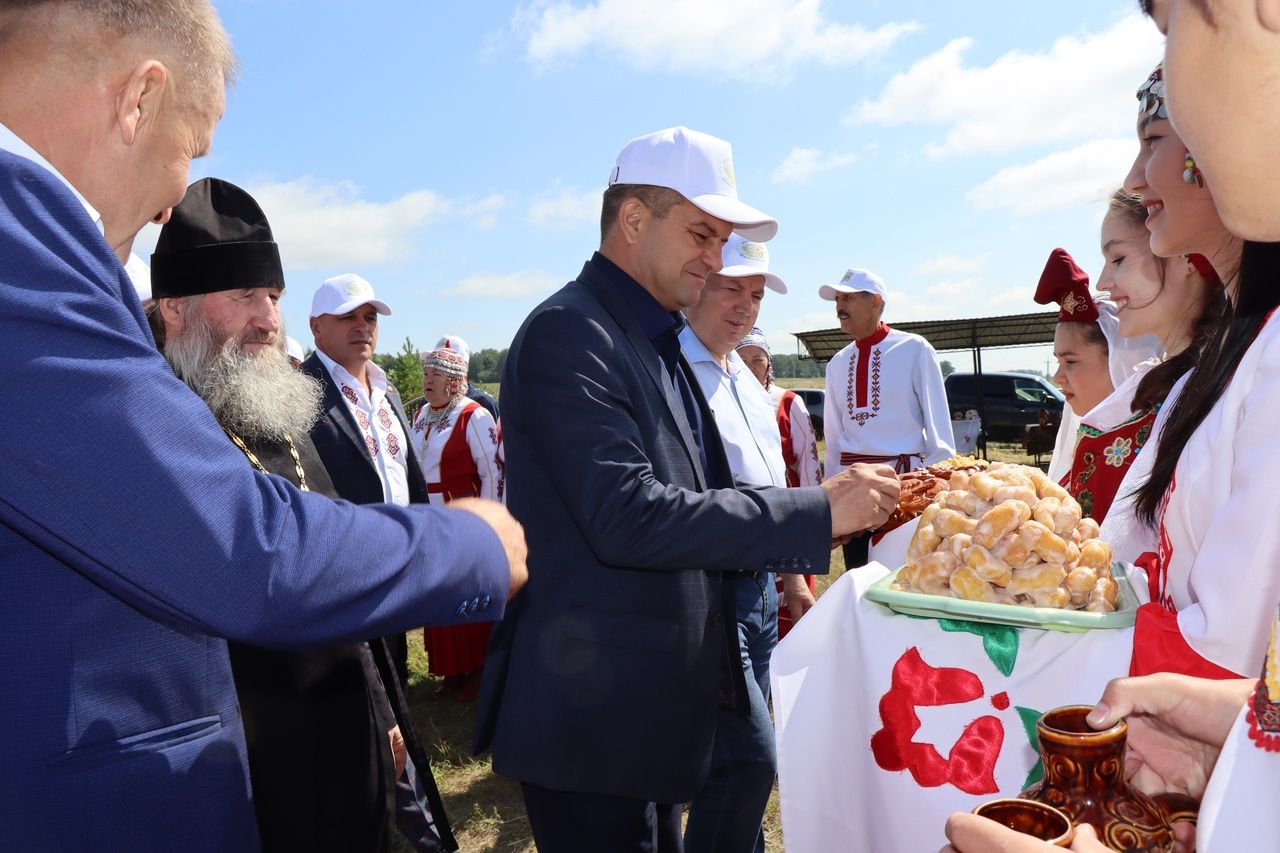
(456, 649)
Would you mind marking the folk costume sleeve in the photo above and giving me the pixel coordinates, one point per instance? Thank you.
(935, 412)
(833, 424)
(804, 444)
(1218, 545)
(482, 438)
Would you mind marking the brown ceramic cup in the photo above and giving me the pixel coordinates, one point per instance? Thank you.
(1029, 817)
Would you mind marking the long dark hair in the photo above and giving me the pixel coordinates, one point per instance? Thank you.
(1257, 295)
(1155, 385)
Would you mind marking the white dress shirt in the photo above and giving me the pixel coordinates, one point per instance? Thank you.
(743, 412)
(384, 436)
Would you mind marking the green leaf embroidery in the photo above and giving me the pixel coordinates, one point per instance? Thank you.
(1000, 642)
(1029, 717)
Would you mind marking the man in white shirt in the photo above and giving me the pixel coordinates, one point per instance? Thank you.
(727, 813)
(885, 398)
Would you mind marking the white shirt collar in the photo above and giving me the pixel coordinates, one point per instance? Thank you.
(9, 141)
(696, 351)
(377, 378)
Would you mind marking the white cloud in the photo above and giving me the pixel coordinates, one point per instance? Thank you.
(565, 208)
(952, 265)
(483, 213)
(1084, 174)
(514, 285)
(330, 225)
(803, 163)
(1081, 87)
(757, 39)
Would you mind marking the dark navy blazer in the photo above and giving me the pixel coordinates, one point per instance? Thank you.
(605, 675)
(133, 535)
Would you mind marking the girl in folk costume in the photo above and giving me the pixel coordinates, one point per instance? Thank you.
(799, 444)
(1208, 500)
(1176, 302)
(457, 440)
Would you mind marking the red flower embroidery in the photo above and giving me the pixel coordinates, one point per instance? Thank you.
(970, 766)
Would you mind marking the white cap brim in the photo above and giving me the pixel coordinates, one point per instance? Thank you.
(829, 291)
(771, 281)
(353, 304)
(752, 224)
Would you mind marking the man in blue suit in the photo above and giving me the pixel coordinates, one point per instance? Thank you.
(133, 536)
(602, 682)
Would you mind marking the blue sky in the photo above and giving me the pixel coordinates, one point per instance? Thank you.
(453, 153)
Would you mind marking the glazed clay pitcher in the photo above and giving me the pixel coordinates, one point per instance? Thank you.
(1084, 777)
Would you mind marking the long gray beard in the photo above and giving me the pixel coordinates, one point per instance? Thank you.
(257, 396)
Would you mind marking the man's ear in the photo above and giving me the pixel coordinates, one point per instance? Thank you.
(171, 314)
(138, 99)
(633, 216)
(315, 332)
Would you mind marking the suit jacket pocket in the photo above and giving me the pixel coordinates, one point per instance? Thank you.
(623, 630)
(117, 749)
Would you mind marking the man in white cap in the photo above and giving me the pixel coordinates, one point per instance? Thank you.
(727, 813)
(885, 398)
(362, 435)
(293, 350)
(459, 346)
(601, 689)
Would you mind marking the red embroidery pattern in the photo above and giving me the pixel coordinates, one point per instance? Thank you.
(384, 418)
(350, 395)
(970, 766)
(393, 444)
(1264, 719)
(857, 378)
(1160, 590)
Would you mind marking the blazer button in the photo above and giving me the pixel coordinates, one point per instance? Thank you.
(769, 565)
(462, 609)
(807, 563)
(485, 602)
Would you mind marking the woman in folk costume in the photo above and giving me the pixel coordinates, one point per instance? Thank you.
(1208, 501)
(457, 440)
(799, 444)
(1224, 64)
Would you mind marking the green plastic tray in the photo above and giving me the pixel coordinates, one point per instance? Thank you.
(1048, 618)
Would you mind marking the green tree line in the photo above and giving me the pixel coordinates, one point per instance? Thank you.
(405, 370)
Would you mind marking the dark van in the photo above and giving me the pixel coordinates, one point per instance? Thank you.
(1012, 401)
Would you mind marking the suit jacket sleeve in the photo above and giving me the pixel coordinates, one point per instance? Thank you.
(156, 506)
(578, 412)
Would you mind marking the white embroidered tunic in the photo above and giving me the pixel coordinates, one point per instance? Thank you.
(885, 398)
(481, 436)
(804, 445)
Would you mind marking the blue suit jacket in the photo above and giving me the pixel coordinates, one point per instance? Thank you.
(133, 535)
(605, 675)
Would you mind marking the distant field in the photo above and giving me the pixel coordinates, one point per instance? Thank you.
(809, 382)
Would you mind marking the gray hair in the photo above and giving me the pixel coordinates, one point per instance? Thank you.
(190, 30)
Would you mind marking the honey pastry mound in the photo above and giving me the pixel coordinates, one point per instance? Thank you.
(1007, 534)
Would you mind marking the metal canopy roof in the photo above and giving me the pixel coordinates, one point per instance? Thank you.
(1014, 330)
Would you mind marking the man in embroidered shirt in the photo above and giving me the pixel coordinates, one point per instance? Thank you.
(362, 434)
(885, 397)
(726, 815)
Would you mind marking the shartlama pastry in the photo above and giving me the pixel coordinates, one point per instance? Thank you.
(1007, 534)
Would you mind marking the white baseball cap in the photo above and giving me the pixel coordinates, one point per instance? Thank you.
(855, 281)
(343, 293)
(293, 349)
(743, 258)
(699, 167)
(456, 344)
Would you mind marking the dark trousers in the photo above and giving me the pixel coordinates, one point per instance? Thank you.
(857, 553)
(565, 822)
(726, 815)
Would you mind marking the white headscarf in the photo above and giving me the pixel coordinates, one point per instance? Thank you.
(1123, 357)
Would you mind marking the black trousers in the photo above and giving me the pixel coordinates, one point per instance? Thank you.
(564, 822)
(857, 552)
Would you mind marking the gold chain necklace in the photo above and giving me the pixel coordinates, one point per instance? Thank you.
(257, 463)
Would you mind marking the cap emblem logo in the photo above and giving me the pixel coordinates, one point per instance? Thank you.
(726, 172)
(753, 251)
